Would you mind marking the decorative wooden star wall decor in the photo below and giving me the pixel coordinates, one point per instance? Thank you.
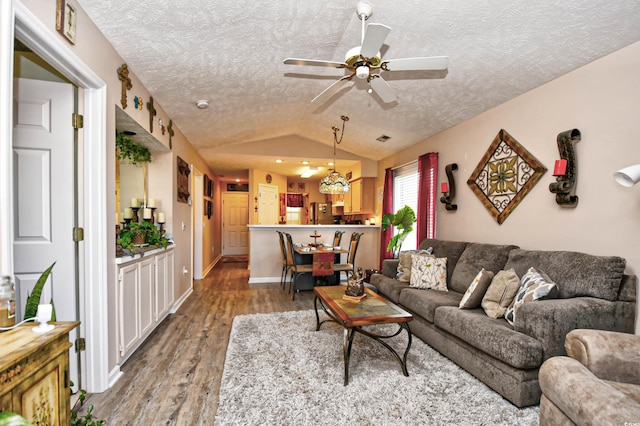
(504, 176)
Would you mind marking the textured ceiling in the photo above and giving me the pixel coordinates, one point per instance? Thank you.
(230, 53)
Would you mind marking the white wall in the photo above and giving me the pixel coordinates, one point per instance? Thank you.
(602, 100)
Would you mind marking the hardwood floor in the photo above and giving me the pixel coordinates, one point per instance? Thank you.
(174, 377)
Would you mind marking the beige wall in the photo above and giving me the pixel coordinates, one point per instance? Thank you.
(98, 54)
(602, 100)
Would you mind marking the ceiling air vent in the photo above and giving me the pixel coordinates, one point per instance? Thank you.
(383, 138)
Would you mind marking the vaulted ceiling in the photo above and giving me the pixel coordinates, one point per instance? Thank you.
(230, 53)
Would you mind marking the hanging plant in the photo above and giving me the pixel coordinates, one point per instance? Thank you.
(128, 150)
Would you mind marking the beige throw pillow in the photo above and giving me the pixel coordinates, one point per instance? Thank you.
(500, 294)
(404, 263)
(429, 272)
(474, 294)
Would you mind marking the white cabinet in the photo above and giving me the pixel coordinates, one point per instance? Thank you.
(144, 298)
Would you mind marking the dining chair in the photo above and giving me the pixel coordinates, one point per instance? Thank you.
(349, 268)
(286, 261)
(295, 269)
(337, 237)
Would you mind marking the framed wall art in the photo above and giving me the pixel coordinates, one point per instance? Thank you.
(183, 181)
(66, 20)
(504, 176)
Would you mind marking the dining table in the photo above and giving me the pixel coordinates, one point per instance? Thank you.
(323, 258)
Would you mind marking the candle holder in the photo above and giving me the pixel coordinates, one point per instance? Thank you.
(449, 195)
(565, 169)
(127, 220)
(134, 218)
(161, 227)
(153, 210)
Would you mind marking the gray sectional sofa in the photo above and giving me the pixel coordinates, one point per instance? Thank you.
(594, 293)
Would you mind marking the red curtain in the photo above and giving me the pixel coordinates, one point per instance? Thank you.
(427, 195)
(295, 200)
(387, 207)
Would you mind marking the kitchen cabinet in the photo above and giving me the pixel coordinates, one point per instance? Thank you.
(144, 298)
(34, 373)
(361, 197)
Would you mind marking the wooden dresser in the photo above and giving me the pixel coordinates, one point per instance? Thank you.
(34, 373)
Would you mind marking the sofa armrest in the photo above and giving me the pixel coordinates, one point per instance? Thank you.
(607, 354)
(581, 396)
(390, 267)
(549, 321)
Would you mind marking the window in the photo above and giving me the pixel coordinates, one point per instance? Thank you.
(405, 192)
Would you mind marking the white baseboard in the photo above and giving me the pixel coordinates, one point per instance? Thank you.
(180, 301)
(264, 280)
(114, 376)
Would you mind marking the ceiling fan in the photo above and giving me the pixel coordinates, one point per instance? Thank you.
(362, 60)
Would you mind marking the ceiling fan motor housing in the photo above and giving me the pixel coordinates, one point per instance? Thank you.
(364, 10)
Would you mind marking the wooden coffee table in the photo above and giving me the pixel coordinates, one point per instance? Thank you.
(354, 315)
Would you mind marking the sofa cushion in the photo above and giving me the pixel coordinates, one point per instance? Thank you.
(449, 249)
(500, 294)
(474, 294)
(577, 274)
(476, 256)
(492, 336)
(424, 302)
(535, 285)
(428, 272)
(388, 287)
(405, 261)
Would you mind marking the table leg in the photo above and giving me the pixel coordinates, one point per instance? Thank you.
(406, 352)
(347, 342)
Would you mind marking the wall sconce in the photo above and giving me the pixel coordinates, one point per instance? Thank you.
(449, 190)
(565, 169)
(628, 176)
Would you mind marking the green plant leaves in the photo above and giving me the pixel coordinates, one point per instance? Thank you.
(33, 300)
(403, 220)
(128, 150)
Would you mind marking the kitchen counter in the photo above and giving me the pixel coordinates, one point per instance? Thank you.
(265, 259)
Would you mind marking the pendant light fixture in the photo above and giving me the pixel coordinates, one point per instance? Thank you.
(334, 183)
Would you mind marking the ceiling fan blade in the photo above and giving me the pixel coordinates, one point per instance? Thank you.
(433, 63)
(382, 89)
(329, 91)
(373, 39)
(313, 62)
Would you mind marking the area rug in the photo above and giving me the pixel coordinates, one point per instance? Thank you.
(280, 371)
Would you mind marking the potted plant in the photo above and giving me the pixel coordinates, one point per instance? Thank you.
(128, 150)
(137, 233)
(403, 220)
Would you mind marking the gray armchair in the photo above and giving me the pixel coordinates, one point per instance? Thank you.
(598, 383)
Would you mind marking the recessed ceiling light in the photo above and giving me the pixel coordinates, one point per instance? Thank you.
(330, 163)
(202, 104)
(237, 180)
(305, 162)
(278, 160)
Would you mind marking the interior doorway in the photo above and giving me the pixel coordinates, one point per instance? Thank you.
(235, 217)
(268, 204)
(92, 254)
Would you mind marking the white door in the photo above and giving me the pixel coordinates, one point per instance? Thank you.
(268, 204)
(235, 217)
(44, 200)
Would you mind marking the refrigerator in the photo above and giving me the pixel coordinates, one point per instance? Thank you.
(320, 213)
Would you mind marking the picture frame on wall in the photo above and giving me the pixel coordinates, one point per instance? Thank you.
(209, 209)
(66, 20)
(205, 185)
(183, 181)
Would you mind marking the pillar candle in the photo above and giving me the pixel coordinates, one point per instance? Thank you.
(146, 214)
(444, 187)
(161, 217)
(560, 168)
(135, 203)
(151, 203)
(128, 213)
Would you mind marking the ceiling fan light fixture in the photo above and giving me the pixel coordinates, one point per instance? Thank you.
(362, 72)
